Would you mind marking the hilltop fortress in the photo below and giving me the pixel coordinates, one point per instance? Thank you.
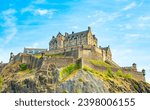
(81, 47)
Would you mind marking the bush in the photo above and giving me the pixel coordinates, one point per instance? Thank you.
(23, 67)
(119, 73)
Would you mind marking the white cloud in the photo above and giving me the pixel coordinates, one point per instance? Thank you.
(103, 17)
(10, 34)
(128, 26)
(36, 11)
(39, 1)
(75, 27)
(42, 12)
(144, 18)
(9, 24)
(130, 6)
(129, 38)
(28, 9)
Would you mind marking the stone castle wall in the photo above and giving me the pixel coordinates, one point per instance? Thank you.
(59, 62)
(78, 52)
(137, 75)
(28, 59)
(43, 63)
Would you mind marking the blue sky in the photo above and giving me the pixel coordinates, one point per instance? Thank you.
(122, 24)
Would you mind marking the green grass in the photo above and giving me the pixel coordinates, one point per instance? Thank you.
(99, 63)
(66, 71)
(38, 56)
(119, 73)
(97, 73)
(108, 74)
(1, 82)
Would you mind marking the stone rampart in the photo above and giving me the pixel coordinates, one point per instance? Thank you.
(59, 62)
(137, 75)
(28, 59)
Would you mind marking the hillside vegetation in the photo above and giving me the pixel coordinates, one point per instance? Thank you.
(19, 78)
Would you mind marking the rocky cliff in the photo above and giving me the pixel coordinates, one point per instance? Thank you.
(17, 77)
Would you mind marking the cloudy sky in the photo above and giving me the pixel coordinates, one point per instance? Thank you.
(122, 24)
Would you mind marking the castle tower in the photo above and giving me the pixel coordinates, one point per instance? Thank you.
(11, 57)
(60, 41)
(92, 40)
(143, 71)
(134, 66)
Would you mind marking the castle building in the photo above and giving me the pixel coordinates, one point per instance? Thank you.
(73, 39)
(81, 46)
(84, 40)
(34, 50)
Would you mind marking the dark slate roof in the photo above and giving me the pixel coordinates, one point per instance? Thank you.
(75, 35)
(59, 34)
(105, 48)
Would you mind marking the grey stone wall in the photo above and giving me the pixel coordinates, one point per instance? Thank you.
(28, 59)
(59, 62)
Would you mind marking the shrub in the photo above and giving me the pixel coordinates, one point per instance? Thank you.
(119, 73)
(23, 67)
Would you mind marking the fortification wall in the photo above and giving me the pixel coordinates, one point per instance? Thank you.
(137, 75)
(88, 54)
(59, 62)
(28, 59)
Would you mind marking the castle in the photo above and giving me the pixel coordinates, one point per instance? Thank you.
(84, 40)
(71, 48)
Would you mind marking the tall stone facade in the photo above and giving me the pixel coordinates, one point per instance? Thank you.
(73, 40)
(83, 40)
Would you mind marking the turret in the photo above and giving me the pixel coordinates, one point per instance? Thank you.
(143, 71)
(11, 57)
(134, 66)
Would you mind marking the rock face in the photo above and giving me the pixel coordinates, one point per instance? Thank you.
(37, 81)
(82, 82)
